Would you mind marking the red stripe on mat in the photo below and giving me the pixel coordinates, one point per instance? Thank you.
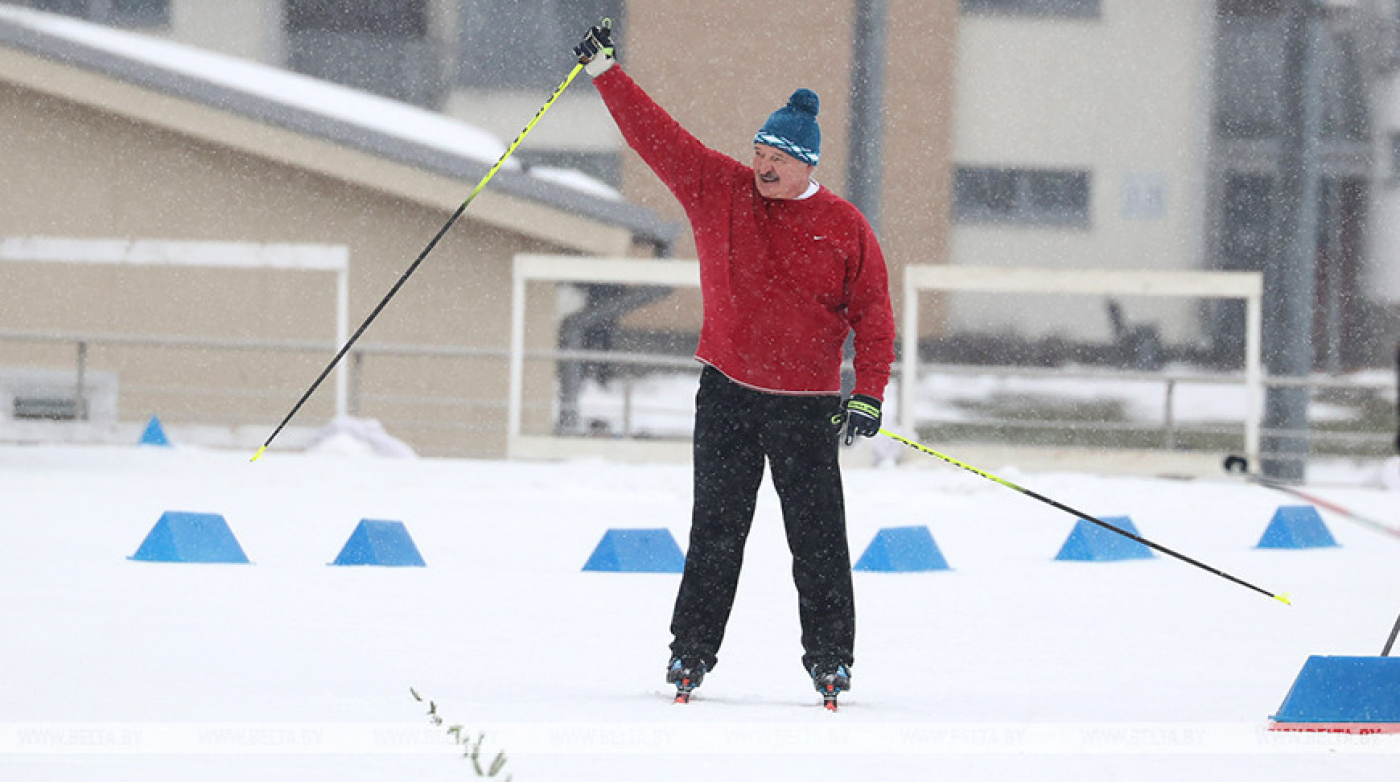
(1355, 728)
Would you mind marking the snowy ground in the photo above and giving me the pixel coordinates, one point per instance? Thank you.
(1009, 666)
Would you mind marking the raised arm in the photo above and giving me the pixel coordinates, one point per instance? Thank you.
(679, 159)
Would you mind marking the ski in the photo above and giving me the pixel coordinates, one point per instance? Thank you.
(831, 681)
(683, 690)
(829, 698)
(686, 674)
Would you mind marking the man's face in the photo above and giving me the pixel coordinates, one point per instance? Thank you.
(777, 174)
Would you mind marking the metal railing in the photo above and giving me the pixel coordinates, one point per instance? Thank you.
(450, 411)
(1169, 431)
(248, 404)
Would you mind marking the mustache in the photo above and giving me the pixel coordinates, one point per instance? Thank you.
(769, 177)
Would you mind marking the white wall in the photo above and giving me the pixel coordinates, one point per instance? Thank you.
(1124, 96)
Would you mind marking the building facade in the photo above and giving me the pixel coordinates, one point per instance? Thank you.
(1081, 141)
(1116, 134)
(1127, 135)
(117, 139)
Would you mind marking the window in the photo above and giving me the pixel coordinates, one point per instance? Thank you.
(1249, 7)
(1253, 82)
(1249, 78)
(381, 46)
(1018, 196)
(121, 13)
(45, 408)
(1394, 178)
(503, 47)
(389, 19)
(1075, 8)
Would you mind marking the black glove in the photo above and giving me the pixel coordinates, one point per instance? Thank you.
(862, 417)
(596, 49)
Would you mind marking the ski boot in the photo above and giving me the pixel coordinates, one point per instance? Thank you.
(686, 673)
(831, 679)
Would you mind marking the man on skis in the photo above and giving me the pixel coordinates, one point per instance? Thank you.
(787, 270)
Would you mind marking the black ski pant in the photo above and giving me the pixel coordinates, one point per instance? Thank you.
(736, 429)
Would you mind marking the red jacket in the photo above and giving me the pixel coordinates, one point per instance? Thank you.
(783, 281)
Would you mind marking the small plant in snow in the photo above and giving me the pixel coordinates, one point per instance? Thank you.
(471, 747)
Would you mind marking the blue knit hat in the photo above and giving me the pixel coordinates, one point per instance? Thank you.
(793, 128)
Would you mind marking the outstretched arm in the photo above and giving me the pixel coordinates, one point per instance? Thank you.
(679, 159)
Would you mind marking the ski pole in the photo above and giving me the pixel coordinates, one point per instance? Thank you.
(1282, 598)
(414, 266)
(1239, 464)
(1389, 642)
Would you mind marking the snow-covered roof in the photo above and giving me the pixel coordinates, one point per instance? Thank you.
(369, 122)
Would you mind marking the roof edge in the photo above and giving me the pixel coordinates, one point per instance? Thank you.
(641, 222)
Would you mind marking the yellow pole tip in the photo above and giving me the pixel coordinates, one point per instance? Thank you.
(259, 453)
(1284, 598)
